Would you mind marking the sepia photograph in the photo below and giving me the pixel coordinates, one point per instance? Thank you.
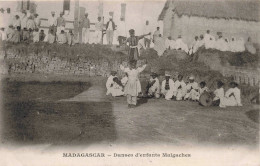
(129, 82)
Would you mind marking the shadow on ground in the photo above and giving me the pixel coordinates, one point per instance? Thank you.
(32, 115)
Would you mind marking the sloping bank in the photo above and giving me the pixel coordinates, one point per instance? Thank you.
(97, 60)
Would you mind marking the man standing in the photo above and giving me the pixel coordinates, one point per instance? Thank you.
(60, 23)
(17, 21)
(85, 29)
(156, 34)
(110, 27)
(37, 20)
(147, 39)
(52, 22)
(98, 30)
(24, 20)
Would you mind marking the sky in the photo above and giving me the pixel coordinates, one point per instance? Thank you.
(136, 11)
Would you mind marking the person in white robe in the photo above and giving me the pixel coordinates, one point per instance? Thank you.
(209, 40)
(36, 35)
(159, 45)
(219, 99)
(201, 41)
(233, 45)
(240, 45)
(16, 21)
(167, 87)
(8, 18)
(156, 34)
(249, 46)
(133, 86)
(62, 38)
(117, 88)
(153, 86)
(192, 90)
(109, 83)
(124, 79)
(194, 46)
(221, 44)
(2, 24)
(180, 45)
(168, 43)
(179, 88)
(3, 35)
(233, 95)
(24, 20)
(202, 88)
(98, 30)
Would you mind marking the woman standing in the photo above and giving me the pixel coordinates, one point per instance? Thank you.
(133, 86)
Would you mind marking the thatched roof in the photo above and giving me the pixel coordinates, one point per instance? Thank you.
(228, 9)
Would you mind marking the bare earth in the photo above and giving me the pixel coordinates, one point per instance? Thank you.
(91, 117)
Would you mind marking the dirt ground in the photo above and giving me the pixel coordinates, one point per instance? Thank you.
(76, 113)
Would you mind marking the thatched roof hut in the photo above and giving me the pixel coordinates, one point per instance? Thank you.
(239, 18)
(248, 10)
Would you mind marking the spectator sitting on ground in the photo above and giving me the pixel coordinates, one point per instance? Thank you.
(26, 34)
(62, 39)
(249, 46)
(16, 38)
(36, 35)
(3, 36)
(51, 36)
(9, 32)
(71, 40)
(42, 36)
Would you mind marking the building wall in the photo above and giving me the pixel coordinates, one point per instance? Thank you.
(189, 27)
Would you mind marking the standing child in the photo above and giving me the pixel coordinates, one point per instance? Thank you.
(133, 86)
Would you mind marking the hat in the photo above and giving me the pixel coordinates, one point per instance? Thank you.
(167, 73)
(131, 31)
(52, 12)
(113, 72)
(191, 78)
(154, 74)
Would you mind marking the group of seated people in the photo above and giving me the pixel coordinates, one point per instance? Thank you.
(209, 42)
(178, 90)
(17, 35)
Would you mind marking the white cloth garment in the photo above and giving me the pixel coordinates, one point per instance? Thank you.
(52, 21)
(232, 97)
(116, 90)
(159, 46)
(155, 89)
(209, 41)
(221, 45)
(179, 89)
(194, 47)
(3, 35)
(146, 30)
(85, 35)
(24, 20)
(181, 45)
(98, 32)
(109, 84)
(168, 93)
(124, 80)
(192, 90)
(201, 90)
(219, 94)
(133, 85)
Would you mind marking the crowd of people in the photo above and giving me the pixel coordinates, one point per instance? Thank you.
(25, 26)
(207, 40)
(169, 88)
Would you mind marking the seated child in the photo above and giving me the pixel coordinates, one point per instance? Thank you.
(26, 35)
(70, 37)
(179, 88)
(51, 37)
(218, 100)
(192, 90)
(153, 87)
(202, 88)
(62, 39)
(117, 88)
(232, 95)
(109, 83)
(36, 35)
(167, 87)
(42, 35)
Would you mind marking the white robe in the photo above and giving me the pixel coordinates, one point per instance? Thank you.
(179, 93)
(201, 90)
(155, 89)
(116, 90)
(133, 85)
(124, 80)
(179, 44)
(234, 99)
(219, 94)
(192, 91)
(167, 93)
(221, 45)
(3, 36)
(109, 84)
(194, 47)
(209, 41)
